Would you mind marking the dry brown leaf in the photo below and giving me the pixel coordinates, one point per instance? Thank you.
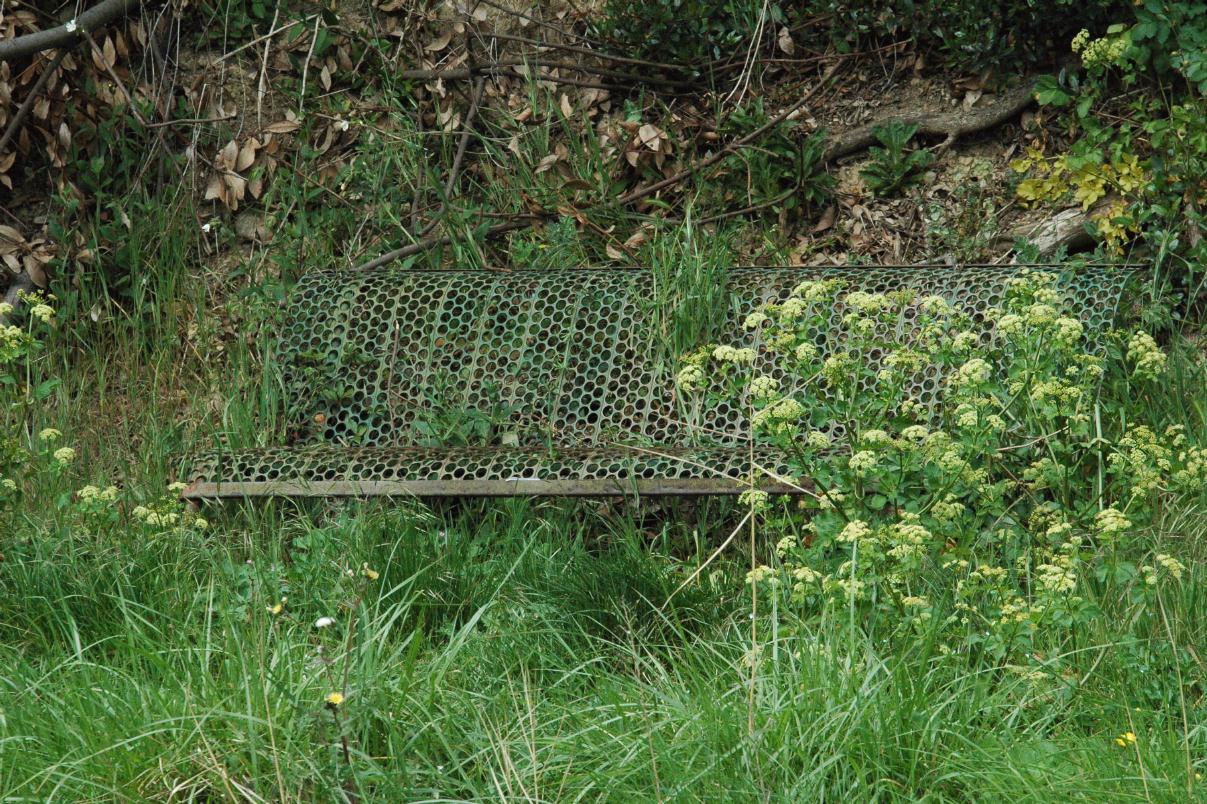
(247, 154)
(227, 156)
(10, 234)
(613, 252)
(325, 77)
(283, 127)
(567, 109)
(650, 136)
(215, 189)
(439, 43)
(785, 41)
(37, 274)
(827, 219)
(236, 187)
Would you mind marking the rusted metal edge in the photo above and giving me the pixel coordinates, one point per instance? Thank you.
(519, 487)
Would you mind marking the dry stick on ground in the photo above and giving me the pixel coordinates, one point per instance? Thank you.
(449, 186)
(67, 34)
(732, 147)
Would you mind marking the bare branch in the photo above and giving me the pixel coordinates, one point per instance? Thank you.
(28, 103)
(67, 34)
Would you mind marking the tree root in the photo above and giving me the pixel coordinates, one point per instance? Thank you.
(1065, 229)
(949, 125)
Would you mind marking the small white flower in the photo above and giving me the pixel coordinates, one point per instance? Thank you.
(205, 227)
(323, 622)
(343, 125)
(71, 26)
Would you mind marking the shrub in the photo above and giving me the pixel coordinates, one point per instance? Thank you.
(784, 173)
(684, 32)
(990, 521)
(969, 34)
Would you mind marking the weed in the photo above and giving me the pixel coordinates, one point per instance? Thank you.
(892, 167)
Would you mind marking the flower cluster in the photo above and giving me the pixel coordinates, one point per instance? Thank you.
(1107, 51)
(1148, 361)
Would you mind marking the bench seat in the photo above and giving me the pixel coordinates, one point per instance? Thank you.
(484, 471)
(561, 381)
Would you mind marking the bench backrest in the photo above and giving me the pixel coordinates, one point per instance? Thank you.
(574, 357)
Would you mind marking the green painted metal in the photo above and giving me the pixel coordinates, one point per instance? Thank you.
(459, 382)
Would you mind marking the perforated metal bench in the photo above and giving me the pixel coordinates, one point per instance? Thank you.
(474, 383)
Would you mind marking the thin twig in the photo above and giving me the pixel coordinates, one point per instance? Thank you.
(271, 33)
(730, 148)
(314, 37)
(189, 121)
(260, 90)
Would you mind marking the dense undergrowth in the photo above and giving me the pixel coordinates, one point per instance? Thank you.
(549, 650)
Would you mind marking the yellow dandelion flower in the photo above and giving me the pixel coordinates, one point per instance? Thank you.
(371, 574)
(334, 699)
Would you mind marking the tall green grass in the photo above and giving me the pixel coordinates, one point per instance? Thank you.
(525, 652)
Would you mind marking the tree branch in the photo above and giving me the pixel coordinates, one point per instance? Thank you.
(28, 103)
(67, 34)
